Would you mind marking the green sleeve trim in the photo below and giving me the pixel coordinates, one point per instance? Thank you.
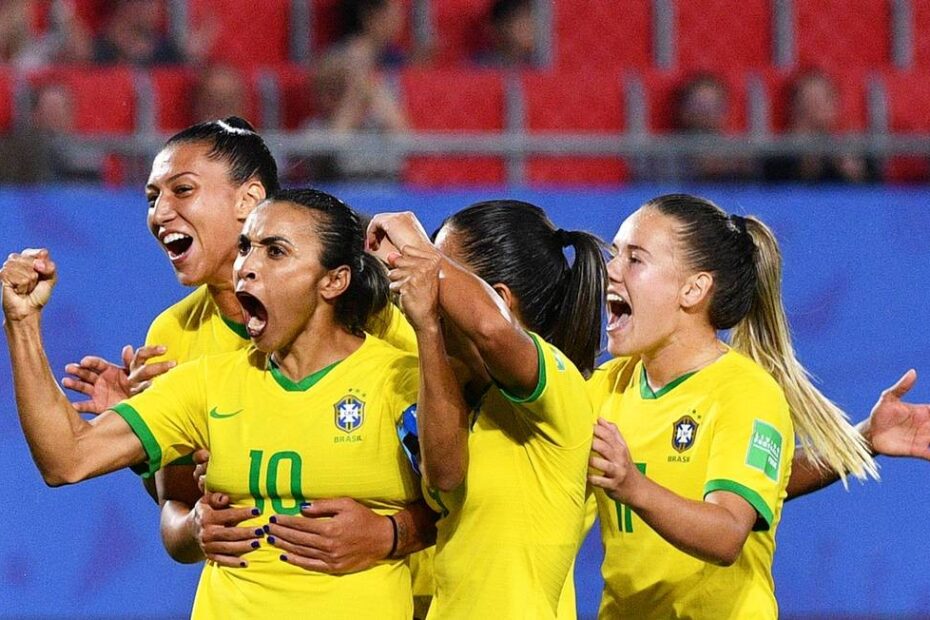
(149, 444)
(755, 500)
(540, 382)
(238, 328)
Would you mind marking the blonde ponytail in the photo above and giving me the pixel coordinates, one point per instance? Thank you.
(823, 429)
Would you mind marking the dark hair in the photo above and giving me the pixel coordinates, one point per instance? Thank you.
(504, 10)
(355, 12)
(686, 90)
(720, 245)
(343, 240)
(514, 243)
(234, 141)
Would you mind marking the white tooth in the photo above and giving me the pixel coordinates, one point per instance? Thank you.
(172, 237)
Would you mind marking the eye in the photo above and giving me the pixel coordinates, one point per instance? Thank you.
(244, 245)
(275, 251)
(151, 198)
(183, 190)
(634, 260)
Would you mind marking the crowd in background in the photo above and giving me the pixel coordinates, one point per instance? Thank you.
(350, 92)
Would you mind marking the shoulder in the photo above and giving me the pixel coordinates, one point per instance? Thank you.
(175, 315)
(742, 380)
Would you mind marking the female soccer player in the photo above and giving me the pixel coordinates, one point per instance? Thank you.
(204, 183)
(508, 476)
(310, 411)
(690, 495)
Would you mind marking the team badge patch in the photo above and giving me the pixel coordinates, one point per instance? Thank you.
(683, 433)
(349, 413)
(765, 449)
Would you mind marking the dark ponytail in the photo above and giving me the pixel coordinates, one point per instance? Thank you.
(233, 140)
(514, 243)
(343, 240)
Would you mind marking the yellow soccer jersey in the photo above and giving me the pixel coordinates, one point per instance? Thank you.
(274, 444)
(724, 428)
(508, 535)
(194, 327)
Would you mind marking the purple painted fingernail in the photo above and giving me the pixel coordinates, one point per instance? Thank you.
(283, 558)
(259, 532)
(273, 520)
(256, 512)
(255, 544)
(265, 529)
(271, 540)
(305, 505)
(242, 564)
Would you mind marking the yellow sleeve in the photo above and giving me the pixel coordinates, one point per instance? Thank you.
(169, 418)
(751, 451)
(559, 407)
(161, 333)
(392, 326)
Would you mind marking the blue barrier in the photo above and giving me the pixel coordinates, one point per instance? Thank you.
(857, 262)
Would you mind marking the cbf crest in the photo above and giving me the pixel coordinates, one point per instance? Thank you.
(683, 433)
(349, 413)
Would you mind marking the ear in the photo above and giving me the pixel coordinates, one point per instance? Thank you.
(696, 289)
(251, 194)
(504, 292)
(335, 282)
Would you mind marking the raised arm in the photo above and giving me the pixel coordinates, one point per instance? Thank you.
(485, 315)
(893, 428)
(65, 447)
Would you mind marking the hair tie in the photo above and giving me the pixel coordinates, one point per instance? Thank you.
(737, 223)
(563, 237)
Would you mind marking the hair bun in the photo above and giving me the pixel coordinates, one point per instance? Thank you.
(237, 122)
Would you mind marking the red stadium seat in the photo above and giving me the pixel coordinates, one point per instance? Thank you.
(446, 101)
(661, 91)
(852, 89)
(839, 34)
(296, 95)
(6, 100)
(461, 27)
(728, 34)
(104, 98)
(175, 90)
(576, 102)
(593, 33)
(248, 33)
(921, 32)
(907, 94)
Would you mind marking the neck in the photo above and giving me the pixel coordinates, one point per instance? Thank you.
(225, 299)
(680, 354)
(322, 343)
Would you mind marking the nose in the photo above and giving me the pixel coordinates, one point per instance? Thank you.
(244, 267)
(163, 211)
(615, 269)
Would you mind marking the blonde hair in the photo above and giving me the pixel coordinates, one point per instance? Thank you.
(823, 429)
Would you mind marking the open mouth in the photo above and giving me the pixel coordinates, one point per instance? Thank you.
(254, 312)
(619, 312)
(177, 244)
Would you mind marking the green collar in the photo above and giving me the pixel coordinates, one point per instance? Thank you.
(238, 328)
(300, 386)
(647, 393)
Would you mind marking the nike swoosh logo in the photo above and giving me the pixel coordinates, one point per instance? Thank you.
(220, 416)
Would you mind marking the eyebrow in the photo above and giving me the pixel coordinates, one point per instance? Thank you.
(276, 239)
(171, 178)
(638, 248)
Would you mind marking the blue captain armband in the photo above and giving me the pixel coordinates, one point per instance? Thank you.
(409, 436)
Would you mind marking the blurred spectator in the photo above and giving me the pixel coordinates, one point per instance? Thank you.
(511, 36)
(41, 151)
(66, 40)
(372, 33)
(814, 111)
(221, 92)
(132, 33)
(350, 99)
(700, 108)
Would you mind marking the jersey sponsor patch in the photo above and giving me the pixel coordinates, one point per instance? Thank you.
(684, 432)
(349, 413)
(765, 449)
